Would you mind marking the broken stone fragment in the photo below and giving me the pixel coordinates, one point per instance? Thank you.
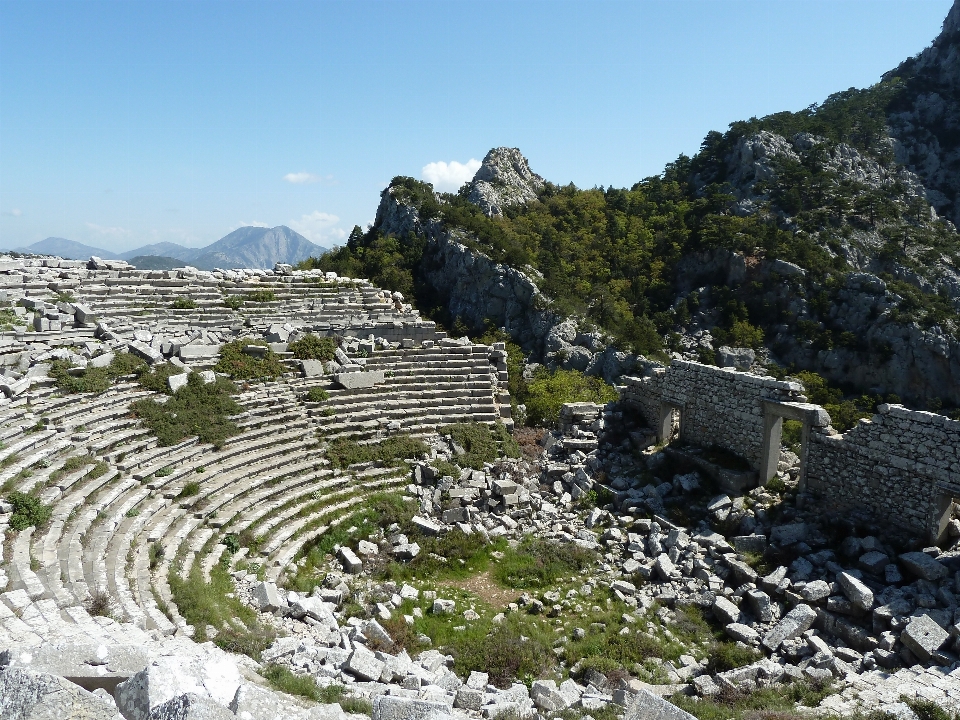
(794, 623)
(923, 566)
(266, 597)
(923, 637)
(857, 593)
(350, 562)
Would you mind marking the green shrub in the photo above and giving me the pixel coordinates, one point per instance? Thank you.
(285, 681)
(157, 377)
(184, 303)
(445, 468)
(98, 470)
(190, 489)
(312, 347)
(155, 554)
(234, 302)
(240, 366)
(95, 380)
(548, 391)
(775, 484)
(538, 563)
(725, 656)
(343, 452)
(481, 443)
(317, 394)
(198, 408)
(28, 511)
(261, 296)
(164, 472)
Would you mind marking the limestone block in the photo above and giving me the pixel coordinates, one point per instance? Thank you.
(359, 380)
(350, 562)
(856, 592)
(725, 611)
(178, 381)
(394, 707)
(794, 623)
(426, 525)
(923, 566)
(364, 664)
(267, 598)
(924, 637)
(365, 547)
(815, 591)
(647, 706)
(873, 562)
(191, 706)
(547, 697)
(444, 607)
(199, 352)
(214, 675)
(144, 352)
(742, 633)
(468, 698)
(208, 376)
(789, 534)
(101, 361)
(27, 694)
(312, 368)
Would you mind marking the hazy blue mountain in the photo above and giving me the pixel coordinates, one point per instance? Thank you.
(68, 249)
(256, 247)
(162, 249)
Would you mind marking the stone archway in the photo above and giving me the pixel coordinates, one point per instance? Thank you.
(774, 413)
(665, 423)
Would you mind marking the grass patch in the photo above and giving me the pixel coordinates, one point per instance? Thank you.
(240, 366)
(71, 465)
(344, 452)
(481, 443)
(94, 380)
(313, 347)
(198, 408)
(454, 555)
(213, 603)
(9, 320)
(725, 656)
(98, 470)
(285, 681)
(190, 489)
(774, 703)
(538, 563)
(28, 511)
(184, 303)
(317, 394)
(261, 296)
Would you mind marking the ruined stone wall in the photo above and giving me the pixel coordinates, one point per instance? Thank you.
(903, 467)
(718, 406)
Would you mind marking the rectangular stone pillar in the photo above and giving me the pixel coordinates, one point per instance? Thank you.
(770, 455)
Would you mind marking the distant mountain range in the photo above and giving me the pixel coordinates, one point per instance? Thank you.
(246, 247)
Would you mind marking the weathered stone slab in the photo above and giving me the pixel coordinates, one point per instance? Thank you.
(364, 664)
(393, 707)
(359, 380)
(266, 596)
(25, 695)
(647, 706)
(923, 566)
(794, 623)
(924, 637)
(856, 592)
(191, 706)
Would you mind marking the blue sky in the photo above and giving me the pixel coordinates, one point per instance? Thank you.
(130, 122)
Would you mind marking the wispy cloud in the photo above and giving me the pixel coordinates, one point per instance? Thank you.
(304, 178)
(106, 231)
(448, 177)
(14, 212)
(252, 223)
(319, 227)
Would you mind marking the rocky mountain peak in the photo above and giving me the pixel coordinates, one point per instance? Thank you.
(504, 178)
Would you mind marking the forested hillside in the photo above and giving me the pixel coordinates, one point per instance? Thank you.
(809, 236)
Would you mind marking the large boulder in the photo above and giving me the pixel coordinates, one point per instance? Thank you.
(191, 707)
(214, 675)
(29, 695)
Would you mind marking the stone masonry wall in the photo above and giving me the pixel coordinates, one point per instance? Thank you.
(718, 406)
(902, 466)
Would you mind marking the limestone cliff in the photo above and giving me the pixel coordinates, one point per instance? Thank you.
(504, 178)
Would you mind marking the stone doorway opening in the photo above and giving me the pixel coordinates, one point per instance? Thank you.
(774, 413)
(671, 422)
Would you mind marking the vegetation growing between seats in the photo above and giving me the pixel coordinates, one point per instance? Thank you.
(94, 379)
(198, 408)
(393, 450)
(242, 366)
(215, 604)
(549, 390)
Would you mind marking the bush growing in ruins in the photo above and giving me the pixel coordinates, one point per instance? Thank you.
(184, 303)
(481, 443)
(504, 653)
(93, 379)
(240, 366)
(157, 377)
(285, 681)
(234, 302)
(197, 409)
(317, 394)
(313, 347)
(343, 452)
(549, 390)
(28, 511)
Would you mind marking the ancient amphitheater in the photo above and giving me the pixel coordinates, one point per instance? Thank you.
(802, 578)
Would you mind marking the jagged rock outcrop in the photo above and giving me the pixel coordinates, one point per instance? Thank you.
(926, 119)
(504, 178)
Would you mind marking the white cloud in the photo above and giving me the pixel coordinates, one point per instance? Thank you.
(448, 177)
(252, 223)
(13, 213)
(107, 232)
(300, 178)
(319, 227)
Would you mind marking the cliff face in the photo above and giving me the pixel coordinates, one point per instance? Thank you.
(504, 178)
(926, 118)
